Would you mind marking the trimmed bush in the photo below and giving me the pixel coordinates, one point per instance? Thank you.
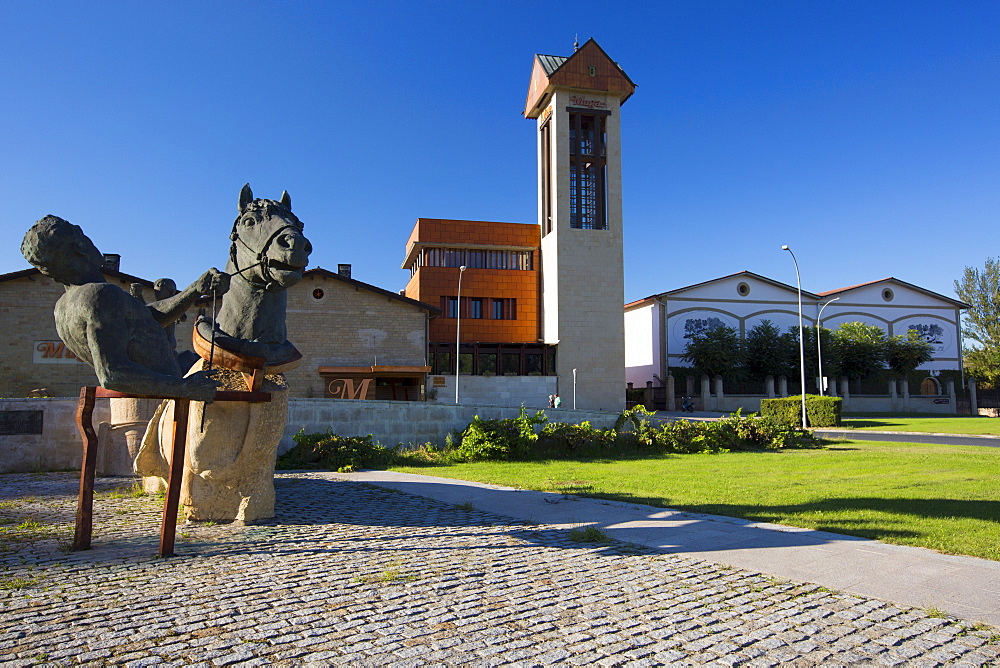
(820, 411)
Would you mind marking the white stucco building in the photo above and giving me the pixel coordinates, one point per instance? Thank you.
(658, 327)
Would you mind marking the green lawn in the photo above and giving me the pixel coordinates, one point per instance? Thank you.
(946, 498)
(981, 426)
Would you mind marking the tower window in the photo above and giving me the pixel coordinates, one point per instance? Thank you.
(588, 171)
(546, 176)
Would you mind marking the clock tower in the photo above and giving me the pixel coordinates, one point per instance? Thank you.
(576, 102)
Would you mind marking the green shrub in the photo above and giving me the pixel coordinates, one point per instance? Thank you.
(820, 411)
(754, 432)
(569, 438)
(338, 453)
(511, 438)
(688, 437)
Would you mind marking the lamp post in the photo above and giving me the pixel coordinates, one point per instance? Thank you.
(802, 343)
(819, 347)
(458, 328)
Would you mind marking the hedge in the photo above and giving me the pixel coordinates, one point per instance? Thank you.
(820, 411)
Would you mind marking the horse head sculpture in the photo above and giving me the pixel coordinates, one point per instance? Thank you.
(269, 250)
(269, 254)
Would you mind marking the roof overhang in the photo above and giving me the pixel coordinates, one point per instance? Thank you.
(414, 249)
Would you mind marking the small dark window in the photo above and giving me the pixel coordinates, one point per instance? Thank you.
(887, 295)
(318, 293)
(743, 289)
(15, 423)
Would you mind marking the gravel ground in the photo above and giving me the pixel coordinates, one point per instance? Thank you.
(349, 574)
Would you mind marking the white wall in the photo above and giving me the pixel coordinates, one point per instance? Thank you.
(642, 350)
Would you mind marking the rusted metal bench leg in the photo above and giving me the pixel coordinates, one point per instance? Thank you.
(85, 502)
(168, 527)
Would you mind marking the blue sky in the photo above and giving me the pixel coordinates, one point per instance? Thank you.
(866, 135)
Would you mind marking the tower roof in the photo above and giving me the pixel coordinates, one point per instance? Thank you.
(589, 68)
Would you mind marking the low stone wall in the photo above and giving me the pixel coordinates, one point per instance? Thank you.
(408, 422)
(58, 447)
(730, 403)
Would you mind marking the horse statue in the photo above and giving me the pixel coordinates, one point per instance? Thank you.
(229, 467)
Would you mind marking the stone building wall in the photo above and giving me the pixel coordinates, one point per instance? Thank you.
(350, 325)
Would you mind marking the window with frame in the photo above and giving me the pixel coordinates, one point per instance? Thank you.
(588, 171)
(474, 258)
(504, 308)
(478, 308)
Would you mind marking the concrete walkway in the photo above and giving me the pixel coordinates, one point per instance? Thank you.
(963, 586)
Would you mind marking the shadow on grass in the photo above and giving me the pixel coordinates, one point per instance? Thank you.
(988, 511)
(869, 424)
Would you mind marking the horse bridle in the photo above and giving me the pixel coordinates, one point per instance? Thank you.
(262, 254)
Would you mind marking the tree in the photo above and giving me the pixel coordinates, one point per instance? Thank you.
(980, 289)
(768, 352)
(904, 353)
(717, 351)
(858, 349)
(830, 359)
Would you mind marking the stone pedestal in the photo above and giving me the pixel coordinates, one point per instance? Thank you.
(229, 466)
(118, 441)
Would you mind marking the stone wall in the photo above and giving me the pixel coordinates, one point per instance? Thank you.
(349, 326)
(58, 447)
(532, 391)
(407, 422)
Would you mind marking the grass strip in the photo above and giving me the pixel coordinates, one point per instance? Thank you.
(969, 426)
(941, 497)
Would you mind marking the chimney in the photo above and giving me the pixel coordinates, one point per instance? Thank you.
(112, 262)
(344, 270)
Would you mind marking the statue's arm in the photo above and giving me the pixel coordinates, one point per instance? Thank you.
(168, 311)
(108, 345)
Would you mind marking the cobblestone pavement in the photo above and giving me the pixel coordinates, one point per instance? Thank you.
(354, 575)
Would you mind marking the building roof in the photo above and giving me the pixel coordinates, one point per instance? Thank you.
(897, 281)
(318, 271)
(123, 277)
(326, 273)
(551, 63)
(589, 68)
(809, 295)
(744, 274)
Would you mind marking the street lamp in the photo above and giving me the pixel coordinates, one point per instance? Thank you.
(458, 327)
(819, 348)
(802, 343)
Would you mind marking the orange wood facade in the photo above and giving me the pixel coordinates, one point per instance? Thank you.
(576, 73)
(431, 284)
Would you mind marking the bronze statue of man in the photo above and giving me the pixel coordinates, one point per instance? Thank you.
(122, 338)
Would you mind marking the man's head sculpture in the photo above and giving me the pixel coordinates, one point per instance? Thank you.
(61, 251)
(268, 249)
